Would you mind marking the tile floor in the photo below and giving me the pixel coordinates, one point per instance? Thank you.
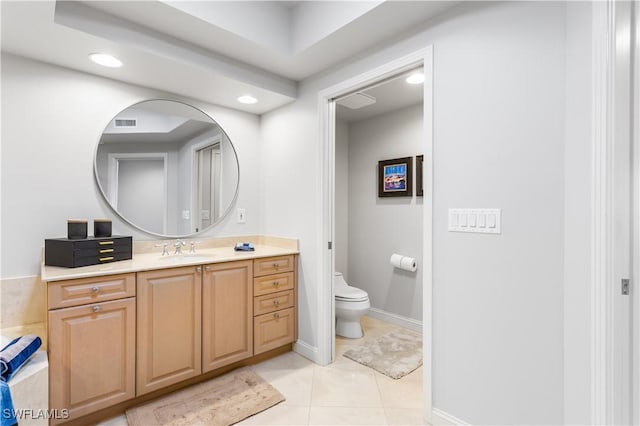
(343, 393)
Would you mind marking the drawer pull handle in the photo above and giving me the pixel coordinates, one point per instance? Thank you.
(276, 265)
(276, 302)
(276, 315)
(104, 259)
(95, 308)
(95, 289)
(276, 283)
(105, 243)
(106, 251)
(207, 268)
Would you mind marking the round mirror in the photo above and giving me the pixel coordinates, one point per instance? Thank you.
(167, 168)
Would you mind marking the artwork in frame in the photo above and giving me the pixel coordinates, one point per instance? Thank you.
(419, 189)
(395, 177)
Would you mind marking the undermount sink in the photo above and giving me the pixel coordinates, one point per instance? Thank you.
(187, 257)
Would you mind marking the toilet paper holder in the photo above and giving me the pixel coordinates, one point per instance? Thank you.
(405, 263)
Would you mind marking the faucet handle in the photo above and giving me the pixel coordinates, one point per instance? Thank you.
(192, 246)
(164, 246)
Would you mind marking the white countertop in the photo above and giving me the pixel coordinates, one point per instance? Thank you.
(151, 261)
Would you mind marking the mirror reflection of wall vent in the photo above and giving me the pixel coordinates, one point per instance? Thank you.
(125, 122)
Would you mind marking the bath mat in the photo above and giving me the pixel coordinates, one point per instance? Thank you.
(224, 400)
(394, 354)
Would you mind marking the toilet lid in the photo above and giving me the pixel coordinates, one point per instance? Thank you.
(350, 293)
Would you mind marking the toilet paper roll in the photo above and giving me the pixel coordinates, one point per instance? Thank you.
(403, 262)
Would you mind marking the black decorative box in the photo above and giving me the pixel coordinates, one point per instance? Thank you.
(87, 251)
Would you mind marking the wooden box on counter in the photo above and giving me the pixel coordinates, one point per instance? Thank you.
(87, 251)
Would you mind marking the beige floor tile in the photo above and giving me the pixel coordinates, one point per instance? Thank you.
(405, 392)
(334, 387)
(404, 416)
(281, 414)
(115, 421)
(295, 384)
(347, 416)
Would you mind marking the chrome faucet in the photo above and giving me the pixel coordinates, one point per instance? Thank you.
(178, 245)
(165, 251)
(192, 247)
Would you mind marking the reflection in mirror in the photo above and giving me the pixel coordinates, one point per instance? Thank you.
(167, 168)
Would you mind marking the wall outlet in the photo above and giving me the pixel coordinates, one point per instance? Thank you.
(241, 215)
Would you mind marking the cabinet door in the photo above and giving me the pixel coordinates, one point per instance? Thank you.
(227, 314)
(169, 327)
(92, 356)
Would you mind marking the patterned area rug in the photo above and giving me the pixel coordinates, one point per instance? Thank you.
(221, 401)
(395, 354)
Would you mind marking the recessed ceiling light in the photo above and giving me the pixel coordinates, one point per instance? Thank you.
(105, 60)
(247, 99)
(417, 78)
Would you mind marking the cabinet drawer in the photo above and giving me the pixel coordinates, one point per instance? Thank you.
(82, 291)
(272, 265)
(272, 284)
(272, 302)
(273, 330)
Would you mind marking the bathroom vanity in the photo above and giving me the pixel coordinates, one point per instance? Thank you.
(123, 333)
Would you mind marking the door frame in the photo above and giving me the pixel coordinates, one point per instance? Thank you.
(635, 329)
(610, 50)
(326, 236)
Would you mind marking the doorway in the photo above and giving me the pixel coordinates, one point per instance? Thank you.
(327, 110)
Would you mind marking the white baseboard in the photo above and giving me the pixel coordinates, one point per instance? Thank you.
(439, 417)
(307, 351)
(405, 322)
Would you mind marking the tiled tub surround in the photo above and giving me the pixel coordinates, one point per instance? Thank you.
(209, 296)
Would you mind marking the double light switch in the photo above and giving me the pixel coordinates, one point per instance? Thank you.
(485, 221)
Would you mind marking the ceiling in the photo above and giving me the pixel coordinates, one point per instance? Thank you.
(391, 95)
(213, 51)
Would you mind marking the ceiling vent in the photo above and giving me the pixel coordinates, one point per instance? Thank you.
(128, 123)
(357, 101)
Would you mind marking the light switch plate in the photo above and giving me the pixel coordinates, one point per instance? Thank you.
(483, 221)
(241, 215)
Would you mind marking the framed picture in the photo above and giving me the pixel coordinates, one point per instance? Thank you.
(419, 189)
(395, 177)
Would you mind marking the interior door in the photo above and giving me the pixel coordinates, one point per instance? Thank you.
(208, 185)
(142, 192)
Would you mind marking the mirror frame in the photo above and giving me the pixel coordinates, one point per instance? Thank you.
(155, 234)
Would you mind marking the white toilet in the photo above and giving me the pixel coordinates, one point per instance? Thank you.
(351, 304)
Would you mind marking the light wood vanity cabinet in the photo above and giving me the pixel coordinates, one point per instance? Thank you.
(91, 343)
(115, 338)
(274, 287)
(169, 327)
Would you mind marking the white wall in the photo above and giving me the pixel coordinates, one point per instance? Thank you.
(379, 227)
(341, 242)
(577, 204)
(52, 119)
(499, 96)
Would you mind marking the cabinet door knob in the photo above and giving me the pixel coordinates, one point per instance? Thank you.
(95, 308)
(95, 289)
(207, 268)
(198, 269)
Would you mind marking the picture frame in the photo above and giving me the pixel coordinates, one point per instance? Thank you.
(419, 188)
(395, 177)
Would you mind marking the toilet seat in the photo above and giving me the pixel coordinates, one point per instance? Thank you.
(348, 293)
